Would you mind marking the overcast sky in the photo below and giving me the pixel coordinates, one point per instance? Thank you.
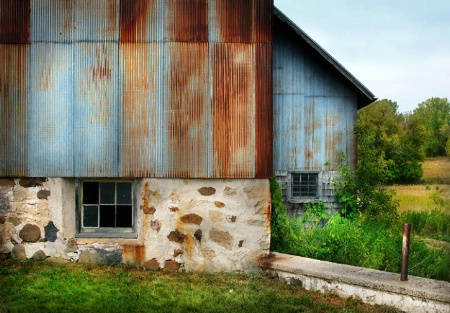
(399, 49)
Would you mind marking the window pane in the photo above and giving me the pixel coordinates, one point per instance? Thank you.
(90, 216)
(90, 193)
(107, 193)
(304, 184)
(124, 193)
(107, 216)
(124, 216)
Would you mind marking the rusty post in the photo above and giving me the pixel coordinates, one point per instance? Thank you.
(405, 252)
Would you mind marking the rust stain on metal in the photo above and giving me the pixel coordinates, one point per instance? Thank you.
(139, 108)
(15, 21)
(13, 114)
(188, 20)
(102, 69)
(232, 110)
(235, 20)
(264, 109)
(134, 19)
(187, 107)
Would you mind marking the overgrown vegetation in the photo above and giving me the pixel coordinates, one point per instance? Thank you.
(368, 230)
(43, 287)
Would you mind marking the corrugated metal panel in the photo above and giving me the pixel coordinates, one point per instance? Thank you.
(96, 20)
(244, 21)
(53, 21)
(140, 20)
(187, 20)
(141, 96)
(264, 110)
(13, 110)
(233, 110)
(314, 112)
(187, 110)
(50, 118)
(14, 21)
(96, 124)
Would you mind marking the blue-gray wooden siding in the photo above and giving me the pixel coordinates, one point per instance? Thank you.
(314, 112)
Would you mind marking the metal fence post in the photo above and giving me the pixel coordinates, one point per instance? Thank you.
(405, 252)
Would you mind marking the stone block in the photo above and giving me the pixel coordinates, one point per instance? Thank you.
(152, 265)
(7, 182)
(30, 233)
(192, 218)
(176, 236)
(171, 266)
(18, 252)
(207, 191)
(31, 182)
(222, 238)
(72, 245)
(51, 232)
(43, 194)
(2, 219)
(219, 204)
(39, 255)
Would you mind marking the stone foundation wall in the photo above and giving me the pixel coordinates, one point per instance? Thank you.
(182, 224)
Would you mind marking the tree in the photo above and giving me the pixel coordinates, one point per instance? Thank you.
(394, 139)
(434, 114)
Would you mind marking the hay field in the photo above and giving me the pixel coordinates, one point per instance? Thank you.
(434, 193)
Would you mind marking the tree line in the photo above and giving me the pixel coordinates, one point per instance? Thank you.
(395, 144)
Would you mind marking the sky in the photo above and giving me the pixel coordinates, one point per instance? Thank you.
(399, 49)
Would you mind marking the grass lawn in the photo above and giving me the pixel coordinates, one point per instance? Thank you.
(30, 286)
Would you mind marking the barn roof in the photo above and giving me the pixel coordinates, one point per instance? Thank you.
(283, 23)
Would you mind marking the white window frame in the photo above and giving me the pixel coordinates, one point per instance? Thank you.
(105, 232)
(304, 199)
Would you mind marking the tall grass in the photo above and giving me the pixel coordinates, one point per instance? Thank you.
(369, 243)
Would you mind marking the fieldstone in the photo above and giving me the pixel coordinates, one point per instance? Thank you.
(18, 252)
(231, 218)
(219, 204)
(256, 222)
(150, 210)
(39, 255)
(43, 194)
(4, 204)
(252, 192)
(241, 242)
(192, 218)
(229, 192)
(72, 245)
(110, 258)
(31, 182)
(151, 265)
(30, 233)
(207, 191)
(208, 254)
(222, 238)
(174, 209)
(215, 216)
(171, 266)
(7, 182)
(176, 236)
(198, 234)
(177, 252)
(155, 225)
(2, 219)
(51, 232)
(14, 220)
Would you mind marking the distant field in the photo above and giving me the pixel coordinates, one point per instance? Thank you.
(436, 170)
(434, 193)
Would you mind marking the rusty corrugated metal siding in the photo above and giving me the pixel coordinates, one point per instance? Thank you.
(13, 109)
(314, 112)
(137, 88)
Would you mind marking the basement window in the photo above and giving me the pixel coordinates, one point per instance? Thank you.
(106, 209)
(304, 185)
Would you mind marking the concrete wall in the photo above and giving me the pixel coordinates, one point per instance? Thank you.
(188, 224)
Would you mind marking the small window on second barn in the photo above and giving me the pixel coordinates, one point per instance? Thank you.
(305, 185)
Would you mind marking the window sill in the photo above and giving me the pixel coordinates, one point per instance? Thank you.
(107, 235)
(303, 200)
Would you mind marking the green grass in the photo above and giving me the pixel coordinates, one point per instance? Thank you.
(30, 286)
